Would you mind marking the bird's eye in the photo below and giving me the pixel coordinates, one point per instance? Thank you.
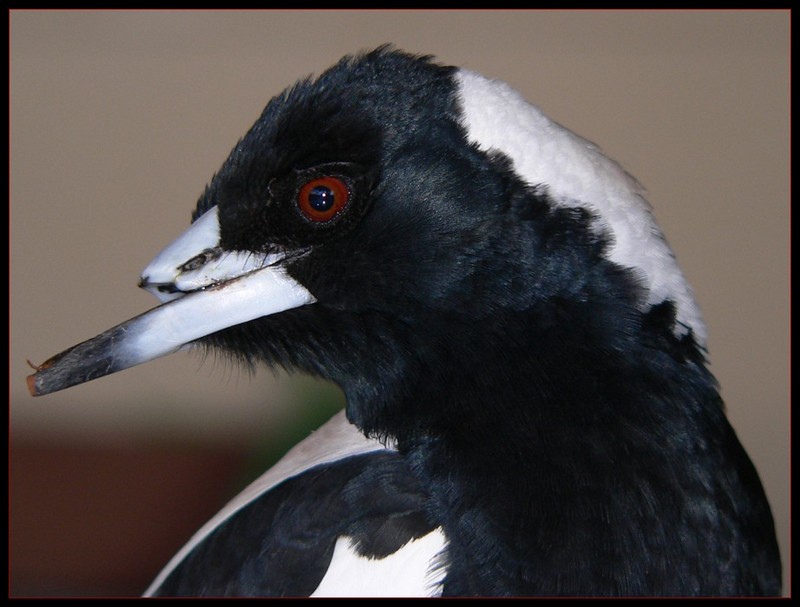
(322, 199)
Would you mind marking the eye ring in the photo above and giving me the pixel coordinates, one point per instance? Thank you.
(323, 198)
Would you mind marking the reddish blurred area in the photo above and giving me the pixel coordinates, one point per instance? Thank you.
(102, 521)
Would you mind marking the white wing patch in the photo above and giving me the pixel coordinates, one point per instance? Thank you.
(410, 572)
(334, 440)
(577, 173)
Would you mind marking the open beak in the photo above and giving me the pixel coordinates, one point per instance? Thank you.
(205, 289)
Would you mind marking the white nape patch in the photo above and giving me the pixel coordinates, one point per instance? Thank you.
(412, 571)
(333, 441)
(577, 173)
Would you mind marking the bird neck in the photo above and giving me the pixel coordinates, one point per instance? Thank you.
(564, 438)
(514, 383)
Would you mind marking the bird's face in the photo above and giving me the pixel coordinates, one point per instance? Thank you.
(346, 202)
(368, 220)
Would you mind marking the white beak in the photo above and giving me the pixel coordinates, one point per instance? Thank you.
(205, 289)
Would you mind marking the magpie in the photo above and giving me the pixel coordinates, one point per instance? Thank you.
(529, 410)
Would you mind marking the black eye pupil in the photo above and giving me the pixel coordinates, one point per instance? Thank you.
(321, 198)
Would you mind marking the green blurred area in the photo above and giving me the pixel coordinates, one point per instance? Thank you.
(313, 402)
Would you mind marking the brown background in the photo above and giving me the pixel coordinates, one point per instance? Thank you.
(118, 119)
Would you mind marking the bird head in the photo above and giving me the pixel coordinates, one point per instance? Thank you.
(393, 223)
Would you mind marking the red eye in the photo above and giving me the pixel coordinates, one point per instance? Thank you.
(322, 199)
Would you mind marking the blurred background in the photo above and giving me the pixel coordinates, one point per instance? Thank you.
(118, 120)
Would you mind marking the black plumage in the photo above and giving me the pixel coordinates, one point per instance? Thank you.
(542, 405)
